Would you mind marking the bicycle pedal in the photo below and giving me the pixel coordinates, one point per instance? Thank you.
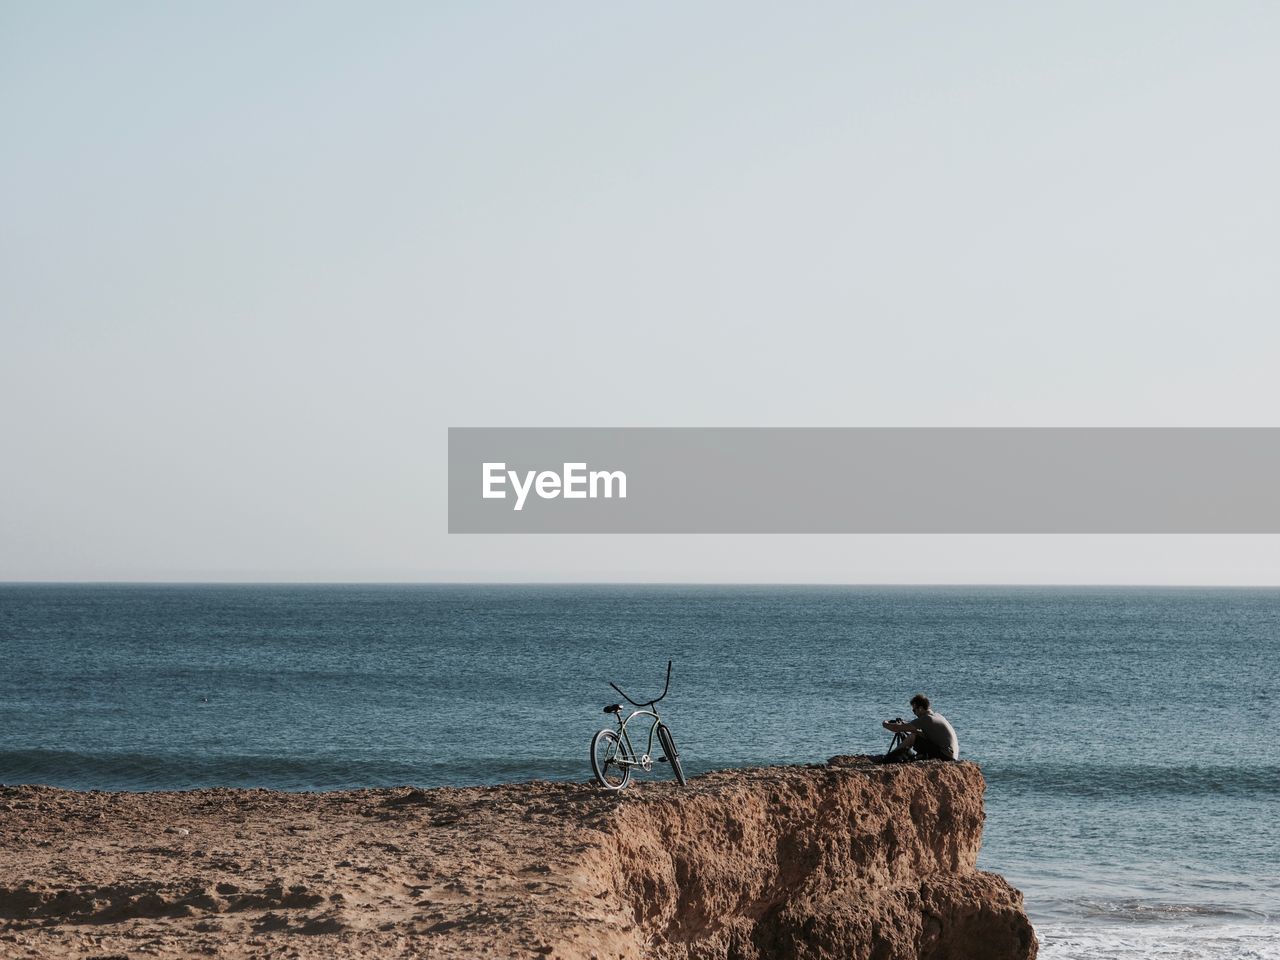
(661, 760)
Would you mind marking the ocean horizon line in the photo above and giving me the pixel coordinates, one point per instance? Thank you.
(879, 585)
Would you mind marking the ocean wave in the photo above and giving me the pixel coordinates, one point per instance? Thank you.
(1143, 911)
(1093, 780)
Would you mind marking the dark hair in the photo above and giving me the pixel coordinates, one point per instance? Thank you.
(920, 700)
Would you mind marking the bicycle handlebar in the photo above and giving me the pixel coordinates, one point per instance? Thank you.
(646, 703)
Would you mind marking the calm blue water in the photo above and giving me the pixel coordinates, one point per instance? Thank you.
(1127, 735)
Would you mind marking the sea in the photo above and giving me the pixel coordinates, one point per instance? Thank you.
(1128, 735)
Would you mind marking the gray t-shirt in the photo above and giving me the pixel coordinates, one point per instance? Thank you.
(939, 731)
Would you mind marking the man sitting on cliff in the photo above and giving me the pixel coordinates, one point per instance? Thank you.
(929, 733)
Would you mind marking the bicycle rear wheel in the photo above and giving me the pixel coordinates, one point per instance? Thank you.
(606, 756)
(669, 748)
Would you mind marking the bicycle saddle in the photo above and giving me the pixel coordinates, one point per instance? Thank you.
(613, 708)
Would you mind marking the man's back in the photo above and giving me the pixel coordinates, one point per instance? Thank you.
(939, 731)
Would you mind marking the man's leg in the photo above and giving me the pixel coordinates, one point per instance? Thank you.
(926, 749)
(902, 752)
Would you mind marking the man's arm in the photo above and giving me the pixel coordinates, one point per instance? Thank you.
(904, 727)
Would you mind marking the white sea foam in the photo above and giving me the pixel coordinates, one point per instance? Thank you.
(1165, 941)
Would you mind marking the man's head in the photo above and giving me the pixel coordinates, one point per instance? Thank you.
(919, 704)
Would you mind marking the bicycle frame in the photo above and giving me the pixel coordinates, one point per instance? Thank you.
(644, 760)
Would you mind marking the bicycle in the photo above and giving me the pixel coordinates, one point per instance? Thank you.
(612, 755)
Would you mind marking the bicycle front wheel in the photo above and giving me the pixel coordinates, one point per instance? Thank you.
(669, 748)
(607, 755)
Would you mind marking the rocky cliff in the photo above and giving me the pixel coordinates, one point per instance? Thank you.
(843, 860)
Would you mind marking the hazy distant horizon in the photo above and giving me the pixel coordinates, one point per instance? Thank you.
(636, 583)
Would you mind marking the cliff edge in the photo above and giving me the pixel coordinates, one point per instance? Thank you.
(840, 860)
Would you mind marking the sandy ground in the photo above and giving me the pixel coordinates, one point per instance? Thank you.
(258, 873)
(809, 861)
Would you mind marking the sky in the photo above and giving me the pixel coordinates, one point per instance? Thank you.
(256, 259)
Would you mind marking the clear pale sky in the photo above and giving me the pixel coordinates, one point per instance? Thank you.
(256, 258)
